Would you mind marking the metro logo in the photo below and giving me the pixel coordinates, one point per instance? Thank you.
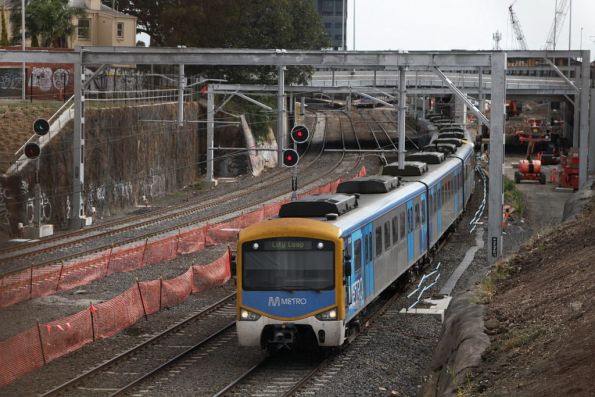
(275, 301)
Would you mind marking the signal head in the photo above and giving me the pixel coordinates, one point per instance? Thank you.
(290, 158)
(41, 126)
(300, 134)
(32, 150)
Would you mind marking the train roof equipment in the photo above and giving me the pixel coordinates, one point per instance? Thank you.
(452, 141)
(426, 157)
(319, 206)
(445, 148)
(452, 128)
(451, 134)
(369, 185)
(412, 168)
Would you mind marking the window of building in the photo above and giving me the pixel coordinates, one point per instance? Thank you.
(378, 241)
(84, 28)
(120, 29)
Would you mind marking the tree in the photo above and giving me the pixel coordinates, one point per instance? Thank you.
(48, 20)
(4, 35)
(287, 24)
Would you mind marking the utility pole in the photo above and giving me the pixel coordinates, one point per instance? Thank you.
(24, 83)
(353, 25)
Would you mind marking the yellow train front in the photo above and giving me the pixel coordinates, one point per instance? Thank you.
(289, 275)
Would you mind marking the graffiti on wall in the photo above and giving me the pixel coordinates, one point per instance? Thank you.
(11, 79)
(46, 79)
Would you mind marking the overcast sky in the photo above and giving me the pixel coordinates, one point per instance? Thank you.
(463, 24)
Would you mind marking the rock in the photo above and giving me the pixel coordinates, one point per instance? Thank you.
(79, 292)
(492, 324)
(576, 306)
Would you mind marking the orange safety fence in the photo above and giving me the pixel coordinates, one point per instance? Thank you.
(19, 355)
(43, 343)
(65, 335)
(46, 280)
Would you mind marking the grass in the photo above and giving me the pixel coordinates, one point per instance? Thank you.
(487, 287)
(514, 197)
(521, 338)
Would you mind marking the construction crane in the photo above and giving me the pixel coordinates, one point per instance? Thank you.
(556, 28)
(518, 31)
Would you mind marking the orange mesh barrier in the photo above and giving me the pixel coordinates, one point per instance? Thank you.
(151, 294)
(214, 274)
(223, 232)
(45, 280)
(126, 259)
(192, 241)
(84, 272)
(66, 335)
(15, 288)
(19, 355)
(161, 250)
(250, 218)
(176, 290)
(118, 313)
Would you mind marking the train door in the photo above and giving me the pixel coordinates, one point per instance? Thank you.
(367, 261)
(356, 286)
(423, 238)
(439, 207)
(410, 237)
(431, 208)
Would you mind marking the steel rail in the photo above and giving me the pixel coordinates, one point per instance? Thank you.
(93, 371)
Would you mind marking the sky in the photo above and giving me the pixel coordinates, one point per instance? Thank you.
(462, 24)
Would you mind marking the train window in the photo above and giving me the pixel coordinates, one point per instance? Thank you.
(386, 235)
(370, 256)
(402, 233)
(417, 214)
(423, 211)
(378, 241)
(357, 255)
(395, 225)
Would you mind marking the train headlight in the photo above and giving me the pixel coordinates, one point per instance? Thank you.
(329, 315)
(247, 315)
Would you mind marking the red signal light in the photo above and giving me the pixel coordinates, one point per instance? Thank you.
(290, 158)
(300, 134)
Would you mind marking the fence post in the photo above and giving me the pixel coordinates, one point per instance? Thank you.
(160, 291)
(142, 261)
(41, 343)
(59, 277)
(142, 301)
(92, 310)
(31, 283)
(109, 260)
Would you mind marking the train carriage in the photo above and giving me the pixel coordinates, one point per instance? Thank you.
(306, 276)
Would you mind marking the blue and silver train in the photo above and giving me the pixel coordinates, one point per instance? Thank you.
(307, 275)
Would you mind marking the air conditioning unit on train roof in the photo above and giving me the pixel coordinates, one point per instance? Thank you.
(451, 134)
(426, 157)
(412, 168)
(452, 128)
(369, 185)
(446, 148)
(318, 206)
(452, 141)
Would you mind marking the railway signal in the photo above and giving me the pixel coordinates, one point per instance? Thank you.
(41, 126)
(300, 134)
(290, 158)
(32, 150)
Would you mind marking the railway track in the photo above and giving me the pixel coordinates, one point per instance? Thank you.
(131, 367)
(139, 228)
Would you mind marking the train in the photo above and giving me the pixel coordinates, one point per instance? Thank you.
(307, 276)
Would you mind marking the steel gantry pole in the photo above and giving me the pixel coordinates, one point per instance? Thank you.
(584, 118)
(78, 148)
(210, 132)
(181, 87)
(402, 110)
(280, 116)
(496, 162)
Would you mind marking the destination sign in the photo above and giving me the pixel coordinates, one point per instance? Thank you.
(287, 245)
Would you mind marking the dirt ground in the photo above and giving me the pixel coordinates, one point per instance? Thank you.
(541, 318)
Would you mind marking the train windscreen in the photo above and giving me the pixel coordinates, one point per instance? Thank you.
(288, 264)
